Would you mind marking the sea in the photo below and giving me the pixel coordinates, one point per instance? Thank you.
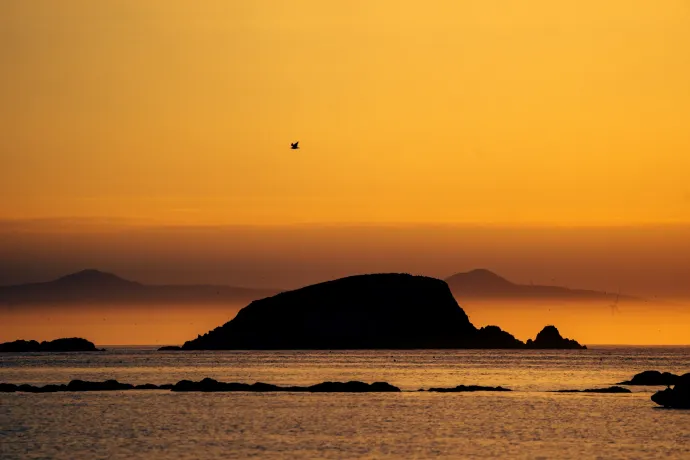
(531, 422)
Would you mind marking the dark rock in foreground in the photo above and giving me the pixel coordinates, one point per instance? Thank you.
(463, 389)
(677, 397)
(652, 378)
(211, 385)
(550, 338)
(74, 344)
(170, 348)
(598, 390)
(382, 311)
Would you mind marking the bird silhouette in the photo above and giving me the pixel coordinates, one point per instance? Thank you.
(294, 145)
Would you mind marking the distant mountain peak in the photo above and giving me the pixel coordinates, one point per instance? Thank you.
(93, 277)
(484, 284)
(480, 276)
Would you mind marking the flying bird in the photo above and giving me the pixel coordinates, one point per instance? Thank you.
(294, 145)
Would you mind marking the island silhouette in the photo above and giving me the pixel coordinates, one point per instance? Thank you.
(376, 311)
(74, 344)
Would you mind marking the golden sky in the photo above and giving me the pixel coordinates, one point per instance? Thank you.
(546, 140)
(170, 111)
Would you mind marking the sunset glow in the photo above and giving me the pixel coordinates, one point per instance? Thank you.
(553, 112)
(545, 140)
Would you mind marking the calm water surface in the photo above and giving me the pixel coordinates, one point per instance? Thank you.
(528, 423)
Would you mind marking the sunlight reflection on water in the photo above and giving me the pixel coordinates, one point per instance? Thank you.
(525, 424)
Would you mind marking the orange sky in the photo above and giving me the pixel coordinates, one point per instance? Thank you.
(555, 131)
(452, 111)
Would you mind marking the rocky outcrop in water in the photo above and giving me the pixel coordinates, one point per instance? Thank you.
(382, 311)
(463, 389)
(614, 389)
(211, 385)
(205, 385)
(677, 397)
(652, 378)
(550, 338)
(74, 385)
(75, 344)
(8, 388)
(393, 311)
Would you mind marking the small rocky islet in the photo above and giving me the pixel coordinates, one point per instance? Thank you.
(65, 345)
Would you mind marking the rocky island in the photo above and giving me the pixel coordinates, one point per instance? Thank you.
(379, 311)
(550, 338)
(75, 344)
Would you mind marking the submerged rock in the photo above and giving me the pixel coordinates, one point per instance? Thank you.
(463, 389)
(205, 385)
(7, 388)
(74, 344)
(147, 386)
(614, 389)
(74, 385)
(550, 338)
(211, 385)
(652, 378)
(44, 389)
(108, 385)
(353, 387)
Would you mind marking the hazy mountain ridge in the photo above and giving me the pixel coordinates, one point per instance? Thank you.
(95, 286)
(485, 284)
